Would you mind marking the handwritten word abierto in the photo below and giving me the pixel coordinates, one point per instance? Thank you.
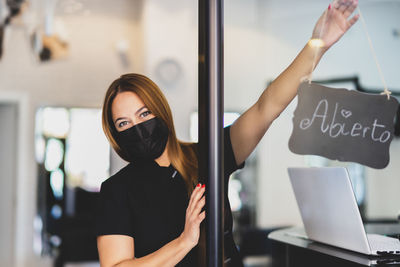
(344, 125)
(377, 132)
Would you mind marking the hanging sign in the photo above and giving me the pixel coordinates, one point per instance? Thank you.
(343, 125)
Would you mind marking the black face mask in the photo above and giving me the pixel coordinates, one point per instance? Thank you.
(144, 141)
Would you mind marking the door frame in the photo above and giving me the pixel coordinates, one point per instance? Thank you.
(22, 170)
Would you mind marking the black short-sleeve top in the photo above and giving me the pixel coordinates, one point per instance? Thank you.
(148, 202)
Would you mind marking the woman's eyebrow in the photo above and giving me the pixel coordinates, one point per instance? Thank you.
(136, 113)
(139, 110)
(121, 118)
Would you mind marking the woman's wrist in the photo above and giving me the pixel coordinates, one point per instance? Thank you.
(318, 46)
(185, 243)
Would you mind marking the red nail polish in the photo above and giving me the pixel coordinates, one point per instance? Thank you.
(198, 185)
(203, 186)
(329, 7)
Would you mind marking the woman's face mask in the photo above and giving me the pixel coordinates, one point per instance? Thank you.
(144, 141)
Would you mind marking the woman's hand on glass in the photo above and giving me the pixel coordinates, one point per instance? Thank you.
(335, 22)
(194, 216)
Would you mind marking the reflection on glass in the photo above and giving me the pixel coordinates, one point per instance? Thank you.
(54, 154)
(57, 183)
(55, 122)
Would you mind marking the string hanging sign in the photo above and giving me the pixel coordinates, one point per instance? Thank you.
(344, 125)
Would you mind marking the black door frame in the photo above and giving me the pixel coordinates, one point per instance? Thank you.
(211, 108)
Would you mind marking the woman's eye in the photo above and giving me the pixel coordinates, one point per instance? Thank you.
(146, 113)
(122, 124)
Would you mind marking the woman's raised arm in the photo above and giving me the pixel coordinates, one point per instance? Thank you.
(251, 126)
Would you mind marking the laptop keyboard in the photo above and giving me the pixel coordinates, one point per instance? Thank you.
(383, 244)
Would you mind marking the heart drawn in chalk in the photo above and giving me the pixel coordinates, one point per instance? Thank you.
(346, 113)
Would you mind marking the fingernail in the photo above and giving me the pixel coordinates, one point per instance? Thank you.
(203, 186)
(329, 7)
(198, 185)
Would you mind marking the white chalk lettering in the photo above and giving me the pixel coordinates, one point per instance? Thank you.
(335, 129)
(334, 125)
(356, 126)
(380, 139)
(306, 123)
(384, 140)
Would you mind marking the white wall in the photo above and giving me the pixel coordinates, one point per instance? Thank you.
(383, 198)
(93, 62)
(8, 161)
(170, 32)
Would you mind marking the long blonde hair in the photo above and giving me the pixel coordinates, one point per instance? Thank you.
(181, 154)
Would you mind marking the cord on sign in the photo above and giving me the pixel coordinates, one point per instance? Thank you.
(385, 88)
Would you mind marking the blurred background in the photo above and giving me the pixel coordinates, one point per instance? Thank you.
(58, 57)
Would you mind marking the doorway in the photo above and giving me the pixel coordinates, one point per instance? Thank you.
(8, 176)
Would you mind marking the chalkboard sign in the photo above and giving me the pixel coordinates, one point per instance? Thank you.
(343, 125)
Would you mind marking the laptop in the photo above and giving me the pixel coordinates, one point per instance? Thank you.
(330, 213)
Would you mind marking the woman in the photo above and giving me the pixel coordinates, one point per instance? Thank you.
(150, 211)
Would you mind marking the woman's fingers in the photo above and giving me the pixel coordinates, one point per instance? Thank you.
(346, 7)
(353, 20)
(196, 195)
(194, 216)
(339, 6)
(202, 216)
(200, 204)
(197, 190)
(350, 9)
(198, 186)
(342, 5)
(335, 21)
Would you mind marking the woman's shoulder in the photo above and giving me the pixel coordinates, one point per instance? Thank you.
(120, 178)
